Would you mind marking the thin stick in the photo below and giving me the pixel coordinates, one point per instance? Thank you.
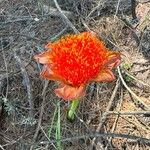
(141, 69)
(131, 92)
(54, 12)
(140, 81)
(85, 25)
(104, 117)
(65, 18)
(116, 119)
(133, 6)
(117, 9)
(2, 147)
(27, 83)
(6, 68)
(114, 135)
(59, 34)
(128, 113)
(41, 113)
(94, 9)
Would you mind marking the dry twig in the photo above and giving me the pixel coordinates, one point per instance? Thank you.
(128, 113)
(41, 112)
(94, 9)
(6, 67)
(54, 12)
(114, 135)
(2, 147)
(116, 119)
(138, 80)
(117, 9)
(104, 116)
(65, 18)
(131, 92)
(26, 82)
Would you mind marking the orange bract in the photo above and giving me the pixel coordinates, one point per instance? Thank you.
(75, 60)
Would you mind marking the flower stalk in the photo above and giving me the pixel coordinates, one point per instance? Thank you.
(72, 110)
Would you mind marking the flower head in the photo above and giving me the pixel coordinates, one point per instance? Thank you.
(76, 60)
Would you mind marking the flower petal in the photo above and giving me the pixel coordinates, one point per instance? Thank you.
(105, 76)
(43, 58)
(70, 93)
(114, 60)
(48, 45)
(47, 73)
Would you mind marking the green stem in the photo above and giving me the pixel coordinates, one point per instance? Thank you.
(72, 110)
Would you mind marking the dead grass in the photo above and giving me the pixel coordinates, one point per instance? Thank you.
(25, 28)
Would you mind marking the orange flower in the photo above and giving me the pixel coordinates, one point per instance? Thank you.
(76, 60)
